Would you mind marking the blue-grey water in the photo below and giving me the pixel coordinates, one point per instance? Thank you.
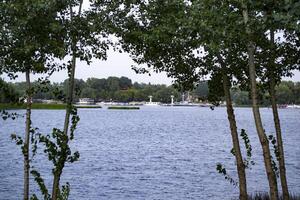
(152, 153)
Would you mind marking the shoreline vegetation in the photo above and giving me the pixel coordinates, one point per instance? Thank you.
(47, 106)
(265, 196)
(124, 89)
(215, 52)
(37, 106)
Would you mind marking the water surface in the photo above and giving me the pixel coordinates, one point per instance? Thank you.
(152, 153)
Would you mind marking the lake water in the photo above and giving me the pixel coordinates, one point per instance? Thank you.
(152, 153)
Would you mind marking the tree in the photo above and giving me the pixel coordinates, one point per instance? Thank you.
(113, 84)
(274, 58)
(201, 91)
(8, 94)
(165, 36)
(257, 117)
(30, 39)
(125, 83)
(240, 97)
(86, 38)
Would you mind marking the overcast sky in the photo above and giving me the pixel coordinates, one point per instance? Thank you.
(117, 64)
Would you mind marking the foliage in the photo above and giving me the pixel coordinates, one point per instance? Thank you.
(187, 39)
(31, 36)
(221, 169)
(288, 92)
(103, 90)
(34, 106)
(59, 152)
(247, 162)
(272, 140)
(40, 181)
(8, 92)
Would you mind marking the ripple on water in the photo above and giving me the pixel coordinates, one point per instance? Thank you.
(152, 153)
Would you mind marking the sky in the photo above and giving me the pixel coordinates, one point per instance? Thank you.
(117, 64)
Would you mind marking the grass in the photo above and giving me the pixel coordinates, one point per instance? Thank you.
(265, 196)
(123, 108)
(7, 106)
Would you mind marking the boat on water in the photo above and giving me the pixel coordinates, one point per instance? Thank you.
(186, 104)
(111, 103)
(190, 104)
(152, 103)
(294, 106)
(86, 101)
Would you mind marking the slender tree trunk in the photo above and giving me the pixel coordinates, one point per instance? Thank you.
(27, 136)
(59, 168)
(257, 117)
(234, 134)
(281, 161)
(71, 86)
(235, 140)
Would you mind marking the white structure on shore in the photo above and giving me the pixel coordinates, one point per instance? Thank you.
(293, 106)
(151, 103)
(172, 99)
(86, 101)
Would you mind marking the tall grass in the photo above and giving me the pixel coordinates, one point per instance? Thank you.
(265, 196)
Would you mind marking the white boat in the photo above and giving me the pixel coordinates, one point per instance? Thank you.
(86, 101)
(152, 104)
(293, 106)
(111, 103)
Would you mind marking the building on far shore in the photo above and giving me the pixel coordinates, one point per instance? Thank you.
(51, 101)
(86, 101)
(44, 101)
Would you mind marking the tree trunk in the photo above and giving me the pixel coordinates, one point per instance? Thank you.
(59, 168)
(255, 108)
(27, 136)
(234, 133)
(235, 140)
(281, 161)
(62, 160)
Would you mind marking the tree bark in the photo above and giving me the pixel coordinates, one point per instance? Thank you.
(281, 161)
(62, 160)
(257, 117)
(59, 168)
(27, 136)
(235, 140)
(234, 134)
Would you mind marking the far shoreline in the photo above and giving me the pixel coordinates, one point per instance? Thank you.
(44, 106)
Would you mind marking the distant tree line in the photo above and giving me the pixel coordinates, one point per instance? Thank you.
(252, 44)
(124, 90)
(105, 89)
(288, 92)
